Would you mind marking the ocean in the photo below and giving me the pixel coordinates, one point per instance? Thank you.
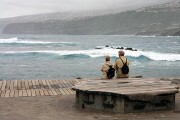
(44, 57)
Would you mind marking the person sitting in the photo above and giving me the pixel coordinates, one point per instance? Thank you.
(122, 70)
(105, 67)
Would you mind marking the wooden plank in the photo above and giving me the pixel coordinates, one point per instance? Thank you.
(34, 84)
(40, 83)
(62, 83)
(15, 85)
(46, 92)
(24, 92)
(33, 93)
(12, 93)
(19, 85)
(65, 83)
(51, 83)
(66, 91)
(12, 85)
(55, 84)
(7, 94)
(41, 92)
(3, 92)
(45, 86)
(37, 92)
(3, 85)
(62, 91)
(70, 91)
(48, 83)
(58, 83)
(54, 92)
(20, 93)
(26, 84)
(72, 83)
(57, 91)
(16, 93)
(64, 87)
(30, 84)
(50, 92)
(23, 85)
(37, 84)
(28, 92)
(8, 85)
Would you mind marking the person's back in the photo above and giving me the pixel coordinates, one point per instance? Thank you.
(105, 67)
(119, 64)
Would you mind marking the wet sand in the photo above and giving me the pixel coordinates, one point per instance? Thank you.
(62, 107)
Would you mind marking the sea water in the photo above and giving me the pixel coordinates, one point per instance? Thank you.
(38, 57)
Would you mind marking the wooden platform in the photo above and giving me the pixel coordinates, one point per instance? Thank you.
(126, 95)
(22, 88)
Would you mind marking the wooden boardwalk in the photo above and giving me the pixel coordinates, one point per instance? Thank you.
(22, 88)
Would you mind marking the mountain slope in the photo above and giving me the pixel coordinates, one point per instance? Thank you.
(156, 20)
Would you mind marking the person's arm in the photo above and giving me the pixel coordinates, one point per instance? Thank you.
(115, 66)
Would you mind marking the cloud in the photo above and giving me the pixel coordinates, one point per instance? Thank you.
(10, 8)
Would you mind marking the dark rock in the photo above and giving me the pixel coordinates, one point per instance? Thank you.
(119, 48)
(128, 49)
(78, 78)
(107, 45)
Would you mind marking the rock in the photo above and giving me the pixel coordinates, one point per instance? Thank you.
(78, 78)
(107, 46)
(129, 49)
(119, 48)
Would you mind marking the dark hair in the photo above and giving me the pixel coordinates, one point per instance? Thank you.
(121, 53)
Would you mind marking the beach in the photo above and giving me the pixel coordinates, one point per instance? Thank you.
(62, 107)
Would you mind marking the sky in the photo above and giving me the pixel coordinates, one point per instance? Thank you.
(13, 8)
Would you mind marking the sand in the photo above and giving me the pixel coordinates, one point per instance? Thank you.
(62, 108)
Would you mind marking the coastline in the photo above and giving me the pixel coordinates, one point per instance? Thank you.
(62, 107)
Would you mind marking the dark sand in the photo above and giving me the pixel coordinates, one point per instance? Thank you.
(62, 108)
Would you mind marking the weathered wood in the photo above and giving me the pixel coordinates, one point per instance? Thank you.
(12, 93)
(22, 88)
(16, 94)
(3, 85)
(11, 85)
(8, 85)
(3, 92)
(1, 82)
(126, 95)
(15, 85)
(28, 92)
(7, 94)
(20, 93)
(24, 92)
(33, 93)
(19, 85)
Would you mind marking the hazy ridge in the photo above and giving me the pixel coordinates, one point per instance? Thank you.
(155, 20)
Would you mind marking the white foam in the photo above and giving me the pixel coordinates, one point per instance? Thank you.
(108, 51)
(16, 40)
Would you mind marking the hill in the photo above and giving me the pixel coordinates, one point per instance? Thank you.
(155, 20)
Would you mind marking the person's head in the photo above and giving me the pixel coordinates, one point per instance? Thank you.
(121, 53)
(107, 58)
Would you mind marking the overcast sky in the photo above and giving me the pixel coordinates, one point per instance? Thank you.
(12, 8)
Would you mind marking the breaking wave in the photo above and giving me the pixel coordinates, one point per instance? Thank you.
(147, 55)
(13, 41)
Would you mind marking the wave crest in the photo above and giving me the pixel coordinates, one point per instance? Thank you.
(106, 51)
